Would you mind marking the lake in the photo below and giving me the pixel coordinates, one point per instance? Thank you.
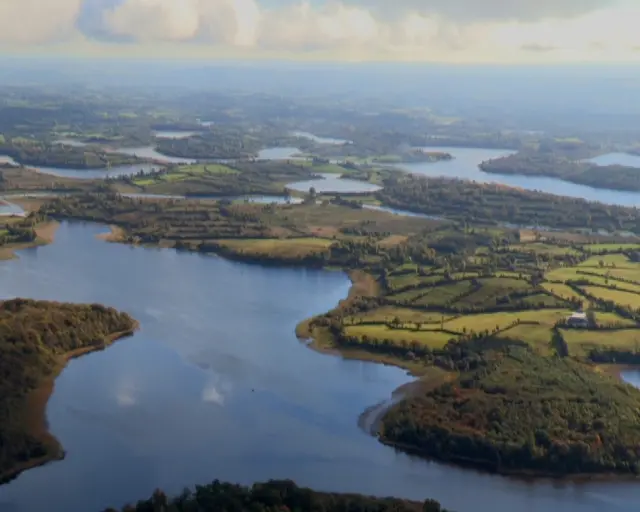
(174, 134)
(5, 159)
(151, 153)
(215, 385)
(617, 159)
(333, 183)
(87, 174)
(320, 140)
(286, 153)
(465, 166)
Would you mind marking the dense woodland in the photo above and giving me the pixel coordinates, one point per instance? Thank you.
(34, 337)
(273, 496)
(519, 411)
(480, 203)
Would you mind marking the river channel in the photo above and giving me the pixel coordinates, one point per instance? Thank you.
(215, 385)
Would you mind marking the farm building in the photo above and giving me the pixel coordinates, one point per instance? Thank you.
(578, 319)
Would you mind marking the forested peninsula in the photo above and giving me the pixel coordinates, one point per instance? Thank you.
(37, 338)
(614, 177)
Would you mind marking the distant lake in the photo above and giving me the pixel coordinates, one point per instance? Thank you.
(320, 140)
(617, 159)
(151, 153)
(333, 183)
(465, 166)
(278, 154)
(7, 208)
(216, 385)
(5, 159)
(87, 174)
(175, 134)
(71, 142)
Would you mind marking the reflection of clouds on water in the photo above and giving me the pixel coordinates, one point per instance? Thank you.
(125, 393)
(214, 391)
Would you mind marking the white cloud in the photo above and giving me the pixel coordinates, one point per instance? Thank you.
(35, 21)
(433, 30)
(480, 10)
(223, 21)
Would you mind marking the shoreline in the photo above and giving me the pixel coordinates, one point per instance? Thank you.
(485, 467)
(36, 401)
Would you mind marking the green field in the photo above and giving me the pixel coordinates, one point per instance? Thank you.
(387, 314)
(399, 281)
(542, 248)
(610, 260)
(581, 342)
(612, 247)
(563, 291)
(604, 318)
(619, 297)
(631, 274)
(287, 248)
(493, 288)
(538, 336)
(442, 295)
(431, 338)
(489, 321)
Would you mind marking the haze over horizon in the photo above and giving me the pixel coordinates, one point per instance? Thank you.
(446, 31)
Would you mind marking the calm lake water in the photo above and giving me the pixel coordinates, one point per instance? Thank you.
(178, 134)
(215, 385)
(279, 154)
(617, 159)
(320, 140)
(87, 174)
(151, 153)
(333, 183)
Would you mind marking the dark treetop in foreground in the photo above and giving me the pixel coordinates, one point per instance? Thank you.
(273, 496)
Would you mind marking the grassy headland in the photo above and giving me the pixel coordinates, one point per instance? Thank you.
(37, 338)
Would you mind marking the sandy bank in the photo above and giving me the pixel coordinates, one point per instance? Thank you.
(115, 234)
(45, 235)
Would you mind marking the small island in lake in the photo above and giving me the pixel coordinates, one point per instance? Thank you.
(37, 338)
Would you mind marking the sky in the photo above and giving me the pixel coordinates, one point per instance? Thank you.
(445, 31)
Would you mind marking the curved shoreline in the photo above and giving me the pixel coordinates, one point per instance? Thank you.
(36, 407)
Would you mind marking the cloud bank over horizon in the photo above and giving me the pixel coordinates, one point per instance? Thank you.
(413, 30)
